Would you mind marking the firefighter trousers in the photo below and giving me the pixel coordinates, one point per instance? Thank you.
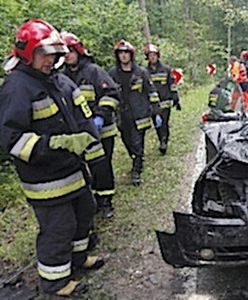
(62, 240)
(164, 131)
(132, 138)
(102, 172)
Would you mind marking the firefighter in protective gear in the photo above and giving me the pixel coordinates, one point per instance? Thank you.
(137, 94)
(101, 93)
(46, 126)
(164, 82)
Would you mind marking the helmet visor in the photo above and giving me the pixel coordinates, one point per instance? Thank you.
(55, 49)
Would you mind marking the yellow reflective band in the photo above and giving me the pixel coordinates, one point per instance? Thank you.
(54, 273)
(81, 245)
(28, 147)
(154, 98)
(93, 155)
(24, 146)
(108, 133)
(89, 95)
(160, 77)
(56, 192)
(143, 125)
(68, 289)
(54, 276)
(46, 112)
(213, 100)
(166, 104)
(105, 193)
(108, 101)
(80, 100)
(137, 86)
(162, 80)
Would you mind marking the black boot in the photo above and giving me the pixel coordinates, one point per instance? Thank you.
(73, 290)
(105, 206)
(163, 147)
(93, 241)
(136, 171)
(135, 178)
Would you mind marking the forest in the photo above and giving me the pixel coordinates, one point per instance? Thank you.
(191, 34)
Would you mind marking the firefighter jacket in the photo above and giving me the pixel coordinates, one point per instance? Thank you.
(99, 90)
(142, 99)
(164, 82)
(34, 109)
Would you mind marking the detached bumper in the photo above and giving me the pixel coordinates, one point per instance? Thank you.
(201, 241)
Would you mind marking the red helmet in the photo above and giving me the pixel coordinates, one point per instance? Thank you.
(37, 33)
(151, 48)
(71, 40)
(124, 45)
(244, 55)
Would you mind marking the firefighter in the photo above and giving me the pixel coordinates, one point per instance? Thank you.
(46, 126)
(165, 84)
(135, 106)
(101, 93)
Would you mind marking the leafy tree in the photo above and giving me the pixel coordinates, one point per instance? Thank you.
(98, 23)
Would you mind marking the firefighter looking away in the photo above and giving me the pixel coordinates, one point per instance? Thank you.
(135, 106)
(165, 84)
(46, 126)
(100, 91)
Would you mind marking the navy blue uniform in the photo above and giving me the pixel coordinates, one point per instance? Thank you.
(101, 94)
(137, 98)
(34, 108)
(164, 82)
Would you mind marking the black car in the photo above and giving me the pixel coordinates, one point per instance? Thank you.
(216, 232)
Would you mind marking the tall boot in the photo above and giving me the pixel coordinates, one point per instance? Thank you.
(136, 171)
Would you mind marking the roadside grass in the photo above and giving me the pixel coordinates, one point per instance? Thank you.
(138, 210)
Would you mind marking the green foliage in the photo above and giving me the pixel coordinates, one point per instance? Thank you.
(16, 220)
(98, 23)
(197, 31)
(191, 34)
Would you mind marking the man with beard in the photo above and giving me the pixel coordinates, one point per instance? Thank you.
(46, 126)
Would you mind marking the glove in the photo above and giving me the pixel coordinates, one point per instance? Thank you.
(98, 122)
(75, 143)
(158, 121)
(178, 106)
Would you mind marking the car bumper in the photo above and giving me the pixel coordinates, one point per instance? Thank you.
(205, 241)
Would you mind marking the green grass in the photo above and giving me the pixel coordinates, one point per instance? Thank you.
(139, 210)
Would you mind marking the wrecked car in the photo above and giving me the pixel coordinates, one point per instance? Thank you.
(216, 232)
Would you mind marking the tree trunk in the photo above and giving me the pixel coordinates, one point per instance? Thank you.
(189, 37)
(229, 41)
(142, 4)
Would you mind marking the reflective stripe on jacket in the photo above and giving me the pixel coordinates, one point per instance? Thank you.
(164, 82)
(99, 90)
(34, 107)
(140, 94)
